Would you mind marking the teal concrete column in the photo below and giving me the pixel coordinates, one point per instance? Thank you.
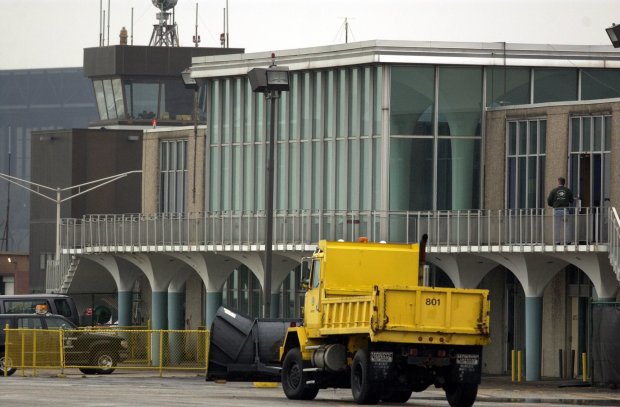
(212, 303)
(275, 305)
(159, 321)
(176, 322)
(533, 337)
(124, 308)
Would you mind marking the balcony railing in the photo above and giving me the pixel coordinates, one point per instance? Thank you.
(447, 230)
(533, 230)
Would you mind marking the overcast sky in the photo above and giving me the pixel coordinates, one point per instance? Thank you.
(53, 33)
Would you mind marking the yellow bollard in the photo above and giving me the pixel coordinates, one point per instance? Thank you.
(584, 369)
(519, 370)
(513, 368)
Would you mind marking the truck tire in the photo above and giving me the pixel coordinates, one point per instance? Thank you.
(294, 379)
(9, 362)
(363, 391)
(461, 394)
(105, 360)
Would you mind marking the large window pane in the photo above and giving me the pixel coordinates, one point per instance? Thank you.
(142, 99)
(553, 85)
(109, 98)
(458, 174)
(411, 166)
(600, 83)
(412, 100)
(508, 86)
(101, 106)
(525, 164)
(173, 175)
(460, 101)
(117, 87)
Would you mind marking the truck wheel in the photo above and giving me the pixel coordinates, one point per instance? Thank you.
(397, 396)
(461, 395)
(9, 362)
(105, 361)
(294, 379)
(362, 389)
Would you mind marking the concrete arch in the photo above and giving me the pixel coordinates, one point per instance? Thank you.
(124, 275)
(465, 270)
(598, 269)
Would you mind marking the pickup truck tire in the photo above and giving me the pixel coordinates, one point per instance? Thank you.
(4, 360)
(294, 379)
(461, 394)
(363, 391)
(105, 360)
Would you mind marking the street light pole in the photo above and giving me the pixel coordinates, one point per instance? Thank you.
(270, 81)
(35, 189)
(272, 96)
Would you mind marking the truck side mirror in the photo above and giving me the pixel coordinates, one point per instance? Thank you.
(305, 284)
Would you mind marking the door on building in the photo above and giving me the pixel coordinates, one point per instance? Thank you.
(589, 173)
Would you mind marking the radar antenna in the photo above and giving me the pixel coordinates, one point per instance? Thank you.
(164, 34)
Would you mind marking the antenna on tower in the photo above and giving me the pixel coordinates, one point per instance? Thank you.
(164, 34)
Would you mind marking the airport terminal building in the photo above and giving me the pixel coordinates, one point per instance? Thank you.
(388, 140)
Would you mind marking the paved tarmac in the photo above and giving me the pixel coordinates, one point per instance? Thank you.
(132, 389)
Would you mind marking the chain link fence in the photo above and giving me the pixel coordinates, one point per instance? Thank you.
(104, 350)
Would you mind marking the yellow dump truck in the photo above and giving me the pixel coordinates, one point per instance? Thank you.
(369, 325)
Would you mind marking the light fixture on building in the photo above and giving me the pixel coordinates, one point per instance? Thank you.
(12, 260)
(270, 81)
(614, 35)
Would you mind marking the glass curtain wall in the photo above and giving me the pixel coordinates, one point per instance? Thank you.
(327, 142)
(525, 163)
(435, 135)
(242, 292)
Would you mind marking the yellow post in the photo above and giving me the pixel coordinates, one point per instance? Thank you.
(6, 350)
(513, 367)
(34, 352)
(61, 334)
(584, 375)
(23, 353)
(519, 370)
(149, 344)
(161, 353)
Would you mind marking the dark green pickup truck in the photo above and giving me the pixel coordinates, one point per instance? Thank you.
(97, 352)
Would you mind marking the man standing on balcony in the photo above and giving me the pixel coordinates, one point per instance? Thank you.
(561, 198)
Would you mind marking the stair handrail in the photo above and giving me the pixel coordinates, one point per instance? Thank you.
(614, 240)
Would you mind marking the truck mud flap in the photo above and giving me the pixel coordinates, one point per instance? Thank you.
(245, 349)
(467, 365)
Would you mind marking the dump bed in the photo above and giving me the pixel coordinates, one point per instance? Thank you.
(409, 314)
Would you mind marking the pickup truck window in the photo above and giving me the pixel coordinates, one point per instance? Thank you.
(57, 323)
(316, 274)
(62, 307)
(23, 306)
(30, 323)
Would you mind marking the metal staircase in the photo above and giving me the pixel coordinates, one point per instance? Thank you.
(60, 273)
